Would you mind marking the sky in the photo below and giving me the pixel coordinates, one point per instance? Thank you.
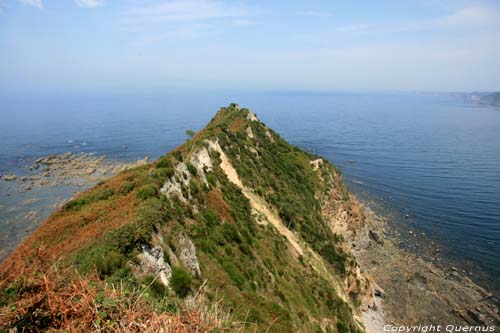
(104, 45)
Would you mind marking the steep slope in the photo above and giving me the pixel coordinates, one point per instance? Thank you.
(236, 229)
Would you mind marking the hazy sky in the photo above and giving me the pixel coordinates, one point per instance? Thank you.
(80, 45)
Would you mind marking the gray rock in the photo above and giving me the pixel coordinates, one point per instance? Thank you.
(188, 255)
(152, 261)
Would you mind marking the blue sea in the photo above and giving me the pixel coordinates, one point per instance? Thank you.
(429, 162)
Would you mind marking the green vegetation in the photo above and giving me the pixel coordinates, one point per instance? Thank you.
(283, 176)
(264, 284)
(147, 191)
(192, 170)
(180, 281)
(190, 133)
(78, 204)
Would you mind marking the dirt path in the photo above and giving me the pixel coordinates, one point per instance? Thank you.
(256, 202)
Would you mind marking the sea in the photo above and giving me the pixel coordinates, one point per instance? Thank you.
(428, 162)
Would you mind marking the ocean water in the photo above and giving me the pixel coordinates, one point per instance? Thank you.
(431, 163)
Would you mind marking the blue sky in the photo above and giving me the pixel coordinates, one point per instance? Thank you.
(89, 45)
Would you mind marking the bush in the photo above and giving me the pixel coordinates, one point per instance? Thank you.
(211, 217)
(127, 237)
(165, 172)
(180, 281)
(230, 233)
(234, 273)
(147, 191)
(211, 180)
(193, 187)
(104, 195)
(190, 133)
(127, 187)
(177, 155)
(94, 196)
(342, 327)
(333, 257)
(191, 168)
(164, 163)
(109, 263)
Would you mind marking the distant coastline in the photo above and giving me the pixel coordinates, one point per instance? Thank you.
(481, 98)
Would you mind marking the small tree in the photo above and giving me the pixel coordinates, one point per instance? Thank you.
(190, 133)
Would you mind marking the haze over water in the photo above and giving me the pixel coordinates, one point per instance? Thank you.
(430, 157)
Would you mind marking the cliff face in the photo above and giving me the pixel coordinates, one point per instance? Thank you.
(236, 229)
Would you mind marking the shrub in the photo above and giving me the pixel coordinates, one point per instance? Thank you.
(191, 168)
(211, 180)
(210, 216)
(190, 133)
(164, 163)
(193, 187)
(127, 187)
(127, 237)
(109, 263)
(342, 327)
(180, 281)
(234, 273)
(333, 257)
(147, 191)
(166, 172)
(177, 155)
(104, 195)
(230, 233)
(94, 196)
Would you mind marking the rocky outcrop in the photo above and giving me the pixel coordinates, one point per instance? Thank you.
(202, 162)
(158, 258)
(188, 255)
(249, 132)
(152, 261)
(174, 186)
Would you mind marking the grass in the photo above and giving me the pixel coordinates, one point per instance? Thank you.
(95, 239)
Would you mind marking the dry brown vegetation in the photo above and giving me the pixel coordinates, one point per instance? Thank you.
(88, 304)
(216, 202)
(64, 232)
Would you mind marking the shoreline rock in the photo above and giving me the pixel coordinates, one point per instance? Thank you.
(9, 177)
(414, 291)
(77, 172)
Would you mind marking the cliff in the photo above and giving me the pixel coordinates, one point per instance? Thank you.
(236, 230)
